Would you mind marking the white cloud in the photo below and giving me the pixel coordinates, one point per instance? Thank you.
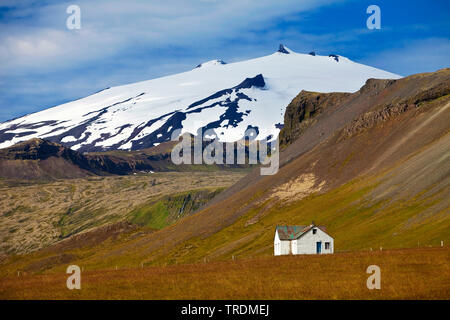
(111, 26)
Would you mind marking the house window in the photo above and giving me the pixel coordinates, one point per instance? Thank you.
(327, 246)
(314, 231)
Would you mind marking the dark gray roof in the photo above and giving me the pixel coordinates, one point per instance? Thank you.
(294, 232)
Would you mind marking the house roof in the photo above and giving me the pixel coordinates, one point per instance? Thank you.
(295, 232)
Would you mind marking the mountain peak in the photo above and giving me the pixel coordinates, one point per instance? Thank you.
(257, 81)
(283, 49)
(210, 63)
(334, 56)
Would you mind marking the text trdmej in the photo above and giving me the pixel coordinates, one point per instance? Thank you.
(228, 309)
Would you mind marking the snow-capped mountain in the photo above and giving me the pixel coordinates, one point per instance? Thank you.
(228, 98)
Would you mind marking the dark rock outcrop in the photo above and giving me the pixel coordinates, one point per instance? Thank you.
(282, 49)
(335, 57)
(303, 110)
(38, 158)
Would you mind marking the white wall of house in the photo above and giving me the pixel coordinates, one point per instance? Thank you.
(281, 247)
(294, 246)
(307, 243)
(276, 244)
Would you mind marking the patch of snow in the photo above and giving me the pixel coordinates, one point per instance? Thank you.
(68, 139)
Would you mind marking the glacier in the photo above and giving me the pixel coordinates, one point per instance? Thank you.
(226, 97)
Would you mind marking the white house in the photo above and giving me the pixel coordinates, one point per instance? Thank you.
(310, 239)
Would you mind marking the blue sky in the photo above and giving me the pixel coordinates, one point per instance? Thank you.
(44, 64)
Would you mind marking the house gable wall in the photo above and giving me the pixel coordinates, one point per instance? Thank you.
(307, 243)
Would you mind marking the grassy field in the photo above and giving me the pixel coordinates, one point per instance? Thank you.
(168, 209)
(34, 215)
(422, 273)
(385, 187)
(356, 223)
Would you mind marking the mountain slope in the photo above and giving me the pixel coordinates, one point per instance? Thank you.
(37, 159)
(34, 215)
(372, 167)
(41, 159)
(228, 98)
(44, 160)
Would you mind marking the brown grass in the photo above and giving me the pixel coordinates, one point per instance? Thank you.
(34, 215)
(405, 274)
